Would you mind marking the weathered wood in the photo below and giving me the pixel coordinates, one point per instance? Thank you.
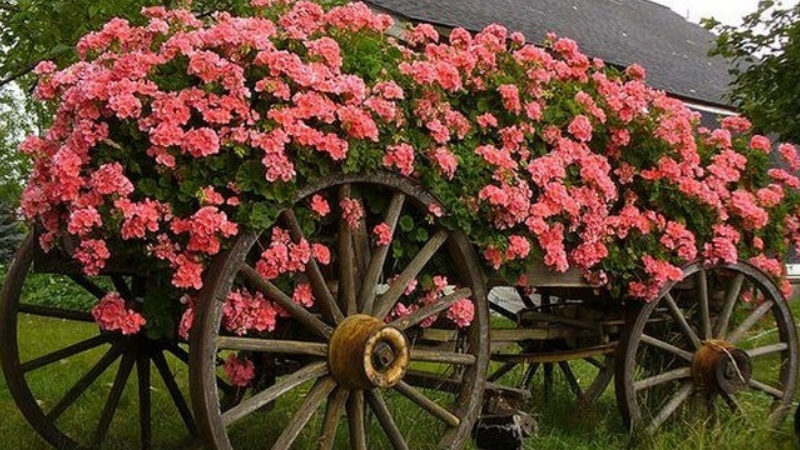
(56, 313)
(572, 382)
(442, 357)
(88, 284)
(84, 382)
(273, 346)
(681, 320)
(355, 420)
(309, 372)
(730, 301)
(313, 400)
(557, 356)
(275, 294)
(705, 313)
(427, 404)
(145, 419)
(767, 349)
(751, 320)
(65, 352)
(366, 296)
(658, 343)
(683, 393)
(423, 313)
(778, 394)
(346, 259)
(175, 392)
(321, 292)
(386, 302)
(333, 414)
(386, 420)
(112, 402)
(655, 380)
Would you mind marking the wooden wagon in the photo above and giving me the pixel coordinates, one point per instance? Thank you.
(721, 339)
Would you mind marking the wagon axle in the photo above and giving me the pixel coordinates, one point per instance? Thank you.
(365, 353)
(719, 366)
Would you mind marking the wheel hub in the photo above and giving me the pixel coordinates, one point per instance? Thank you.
(365, 353)
(718, 365)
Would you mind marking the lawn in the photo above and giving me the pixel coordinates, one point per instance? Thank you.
(562, 425)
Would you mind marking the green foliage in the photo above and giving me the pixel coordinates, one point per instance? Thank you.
(12, 231)
(765, 50)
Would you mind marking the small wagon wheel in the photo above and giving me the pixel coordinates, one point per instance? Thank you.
(49, 412)
(724, 336)
(549, 348)
(353, 351)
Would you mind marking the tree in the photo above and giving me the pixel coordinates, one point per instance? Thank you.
(765, 50)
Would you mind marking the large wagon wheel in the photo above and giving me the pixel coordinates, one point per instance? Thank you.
(348, 351)
(33, 381)
(552, 345)
(724, 336)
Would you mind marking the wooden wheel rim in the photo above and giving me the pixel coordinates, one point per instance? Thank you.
(218, 283)
(627, 399)
(132, 356)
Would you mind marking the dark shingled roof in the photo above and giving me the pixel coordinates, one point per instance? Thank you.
(622, 32)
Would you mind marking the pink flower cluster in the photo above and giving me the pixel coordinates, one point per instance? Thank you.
(240, 370)
(112, 314)
(551, 157)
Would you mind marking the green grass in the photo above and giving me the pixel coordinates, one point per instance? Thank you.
(562, 425)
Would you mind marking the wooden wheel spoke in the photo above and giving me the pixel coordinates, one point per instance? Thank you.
(143, 379)
(767, 389)
(389, 298)
(730, 301)
(65, 352)
(56, 313)
(502, 371)
(595, 363)
(404, 323)
(275, 294)
(175, 392)
(675, 374)
(683, 393)
(273, 346)
(346, 259)
(386, 420)
(767, 349)
(666, 347)
(88, 285)
(309, 372)
(333, 414)
(112, 402)
(548, 380)
(84, 382)
(366, 296)
(321, 292)
(574, 386)
(705, 313)
(530, 372)
(442, 357)
(677, 314)
(313, 400)
(427, 404)
(355, 420)
(748, 322)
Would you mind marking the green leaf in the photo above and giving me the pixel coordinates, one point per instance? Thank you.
(406, 223)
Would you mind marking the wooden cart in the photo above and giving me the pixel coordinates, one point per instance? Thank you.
(411, 376)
